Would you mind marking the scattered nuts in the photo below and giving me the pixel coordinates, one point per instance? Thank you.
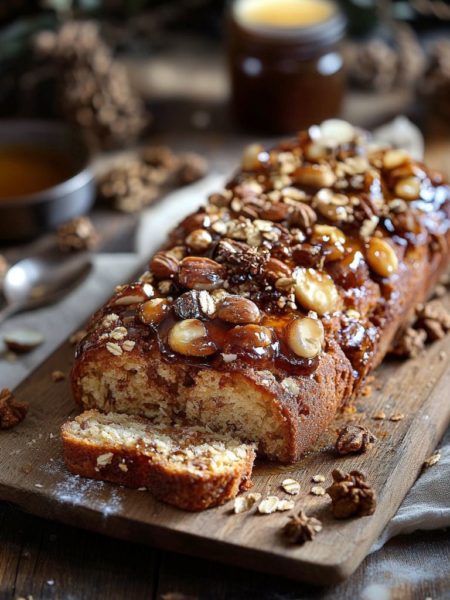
(200, 273)
(164, 265)
(354, 439)
(351, 495)
(305, 337)
(315, 290)
(244, 503)
(153, 311)
(199, 240)
(12, 411)
(300, 528)
(23, 340)
(190, 338)
(238, 310)
(291, 486)
(382, 257)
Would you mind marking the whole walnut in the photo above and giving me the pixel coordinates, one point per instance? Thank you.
(351, 495)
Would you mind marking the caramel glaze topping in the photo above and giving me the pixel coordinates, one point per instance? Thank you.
(317, 228)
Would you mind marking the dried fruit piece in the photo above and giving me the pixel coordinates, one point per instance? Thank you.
(190, 338)
(351, 495)
(153, 311)
(195, 305)
(300, 528)
(200, 273)
(12, 411)
(291, 486)
(315, 290)
(354, 439)
(382, 257)
(238, 310)
(23, 340)
(305, 337)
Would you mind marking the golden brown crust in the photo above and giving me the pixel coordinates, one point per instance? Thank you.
(368, 230)
(134, 467)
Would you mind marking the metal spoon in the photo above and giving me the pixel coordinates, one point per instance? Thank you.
(42, 279)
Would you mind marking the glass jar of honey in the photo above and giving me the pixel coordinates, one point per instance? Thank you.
(285, 63)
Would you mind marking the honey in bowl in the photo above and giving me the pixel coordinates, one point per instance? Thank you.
(284, 13)
(28, 169)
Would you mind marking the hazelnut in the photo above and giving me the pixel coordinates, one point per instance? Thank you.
(408, 188)
(249, 337)
(153, 311)
(305, 337)
(200, 273)
(164, 265)
(199, 240)
(382, 257)
(317, 176)
(394, 158)
(332, 206)
(236, 309)
(315, 290)
(275, 269)
(332, 237)
(190, 338)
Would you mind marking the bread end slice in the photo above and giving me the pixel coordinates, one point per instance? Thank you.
(188, 467)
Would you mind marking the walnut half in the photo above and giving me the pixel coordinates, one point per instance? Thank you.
(353, 439)
(351, 495)
(12, 411)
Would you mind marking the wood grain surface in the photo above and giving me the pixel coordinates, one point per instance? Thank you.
(33, 477)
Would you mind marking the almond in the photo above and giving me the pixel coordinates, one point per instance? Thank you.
(190, 338)
(315, 290)
(238, 310)
(200, 273)
(164, 265)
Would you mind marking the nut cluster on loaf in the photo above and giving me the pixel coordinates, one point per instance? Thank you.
(300, 250)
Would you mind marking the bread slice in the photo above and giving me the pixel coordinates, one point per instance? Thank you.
(188, 467)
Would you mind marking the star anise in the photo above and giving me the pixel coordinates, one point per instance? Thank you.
(353, 439)
(301, 528)
(12, 411)
(351, 495)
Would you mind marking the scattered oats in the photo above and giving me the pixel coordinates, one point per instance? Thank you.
(114, 348)
(291, 486)
(396, 417)
(128, 345)
(110, 319)
(119, 333)
(269, 505)
(58, 376)
(285, 505)
(123, 467)
(318, 478)
(432, 460)
(244, 503)
(379, 416)
(317, 490)
(104, 459)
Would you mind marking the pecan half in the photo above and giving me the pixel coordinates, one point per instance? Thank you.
(12, 411)
(353, 439)
(351, 495)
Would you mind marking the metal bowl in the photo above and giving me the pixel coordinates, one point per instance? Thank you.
(27, 216)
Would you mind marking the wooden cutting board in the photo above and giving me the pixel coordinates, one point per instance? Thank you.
(33, 476)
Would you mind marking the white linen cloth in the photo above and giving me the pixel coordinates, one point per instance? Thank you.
(427, 505)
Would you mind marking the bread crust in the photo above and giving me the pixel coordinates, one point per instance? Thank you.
(283, 406)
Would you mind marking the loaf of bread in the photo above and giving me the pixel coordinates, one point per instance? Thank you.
(266, 309)
(189, 467)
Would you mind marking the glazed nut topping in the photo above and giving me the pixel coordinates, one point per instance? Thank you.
(317, 176)
(276, 269)
(394, 158)
(195, 305)
(164, 265)
(305, 337)
(408, 188)
(332, 237)
(238, 310)
(381, 257)
(332, 206)
(190, 338)
(200, 273)
(315, 290)
(249, 337)
(146, 291)
(153, 311)
(199, 240)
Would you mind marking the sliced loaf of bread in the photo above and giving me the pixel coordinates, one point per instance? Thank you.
(188, 467)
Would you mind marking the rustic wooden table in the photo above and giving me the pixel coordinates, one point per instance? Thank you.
(41, 559)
